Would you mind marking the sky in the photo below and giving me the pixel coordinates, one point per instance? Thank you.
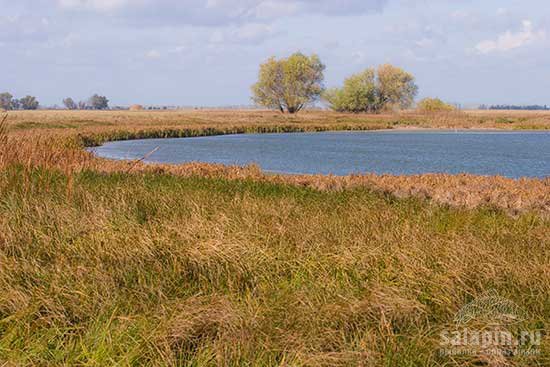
(207, 53)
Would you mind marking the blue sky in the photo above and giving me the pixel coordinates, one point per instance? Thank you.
(187, 52)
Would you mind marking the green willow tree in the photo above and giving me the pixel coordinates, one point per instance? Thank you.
(289, 84)
(359, 94)
(373, 91)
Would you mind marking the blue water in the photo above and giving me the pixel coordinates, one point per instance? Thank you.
(511, 154)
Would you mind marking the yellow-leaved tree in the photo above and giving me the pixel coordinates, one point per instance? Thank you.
(289, 84)
(372, 91)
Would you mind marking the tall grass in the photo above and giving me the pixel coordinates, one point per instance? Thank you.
(3, 140)
(198, 264)
(161, 270)
(3, 126)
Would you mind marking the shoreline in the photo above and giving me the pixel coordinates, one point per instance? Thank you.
(59, 141)
(270, 172)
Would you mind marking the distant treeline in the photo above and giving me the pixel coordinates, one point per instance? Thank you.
(8, 102)
(95, 102)
(514, 107)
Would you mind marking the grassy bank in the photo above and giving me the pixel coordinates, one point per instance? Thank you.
(104, 269)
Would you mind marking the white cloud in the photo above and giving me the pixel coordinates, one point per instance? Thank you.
(510, 40)
(502, 11)
(358, 57)
(70, 40)
(460, 14)
(21, 28)
(425, 43)
(217, 12)
(97, 5)
(217, 37)
(153, 54)
(252, 33)
(273, 9)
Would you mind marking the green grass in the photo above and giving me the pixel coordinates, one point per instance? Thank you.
(76, 124)
(96, 139)
(116, 269)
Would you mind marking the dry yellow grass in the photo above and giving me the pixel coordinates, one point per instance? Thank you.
(102, 121)
(207, 265)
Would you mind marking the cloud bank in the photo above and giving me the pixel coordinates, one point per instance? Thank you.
(216, 12)
(512, 40)
(207, 52)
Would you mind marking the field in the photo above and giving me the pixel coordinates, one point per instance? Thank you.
(225, 119)
(119, 263)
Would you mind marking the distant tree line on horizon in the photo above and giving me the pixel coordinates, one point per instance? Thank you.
(8, 102)
(95, 102)
(516, 107)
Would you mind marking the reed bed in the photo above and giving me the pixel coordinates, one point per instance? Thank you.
(120, 263)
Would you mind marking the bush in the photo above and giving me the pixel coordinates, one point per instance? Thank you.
(434, 105)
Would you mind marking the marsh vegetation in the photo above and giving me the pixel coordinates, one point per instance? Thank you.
(118, 263)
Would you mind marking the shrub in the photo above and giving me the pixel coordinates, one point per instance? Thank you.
(434, 105)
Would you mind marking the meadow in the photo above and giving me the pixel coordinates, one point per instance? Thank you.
(121, 263)
(87, 121)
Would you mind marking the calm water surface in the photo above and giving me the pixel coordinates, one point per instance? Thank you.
(511, 154)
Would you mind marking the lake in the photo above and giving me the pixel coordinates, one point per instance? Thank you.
(510, 154)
